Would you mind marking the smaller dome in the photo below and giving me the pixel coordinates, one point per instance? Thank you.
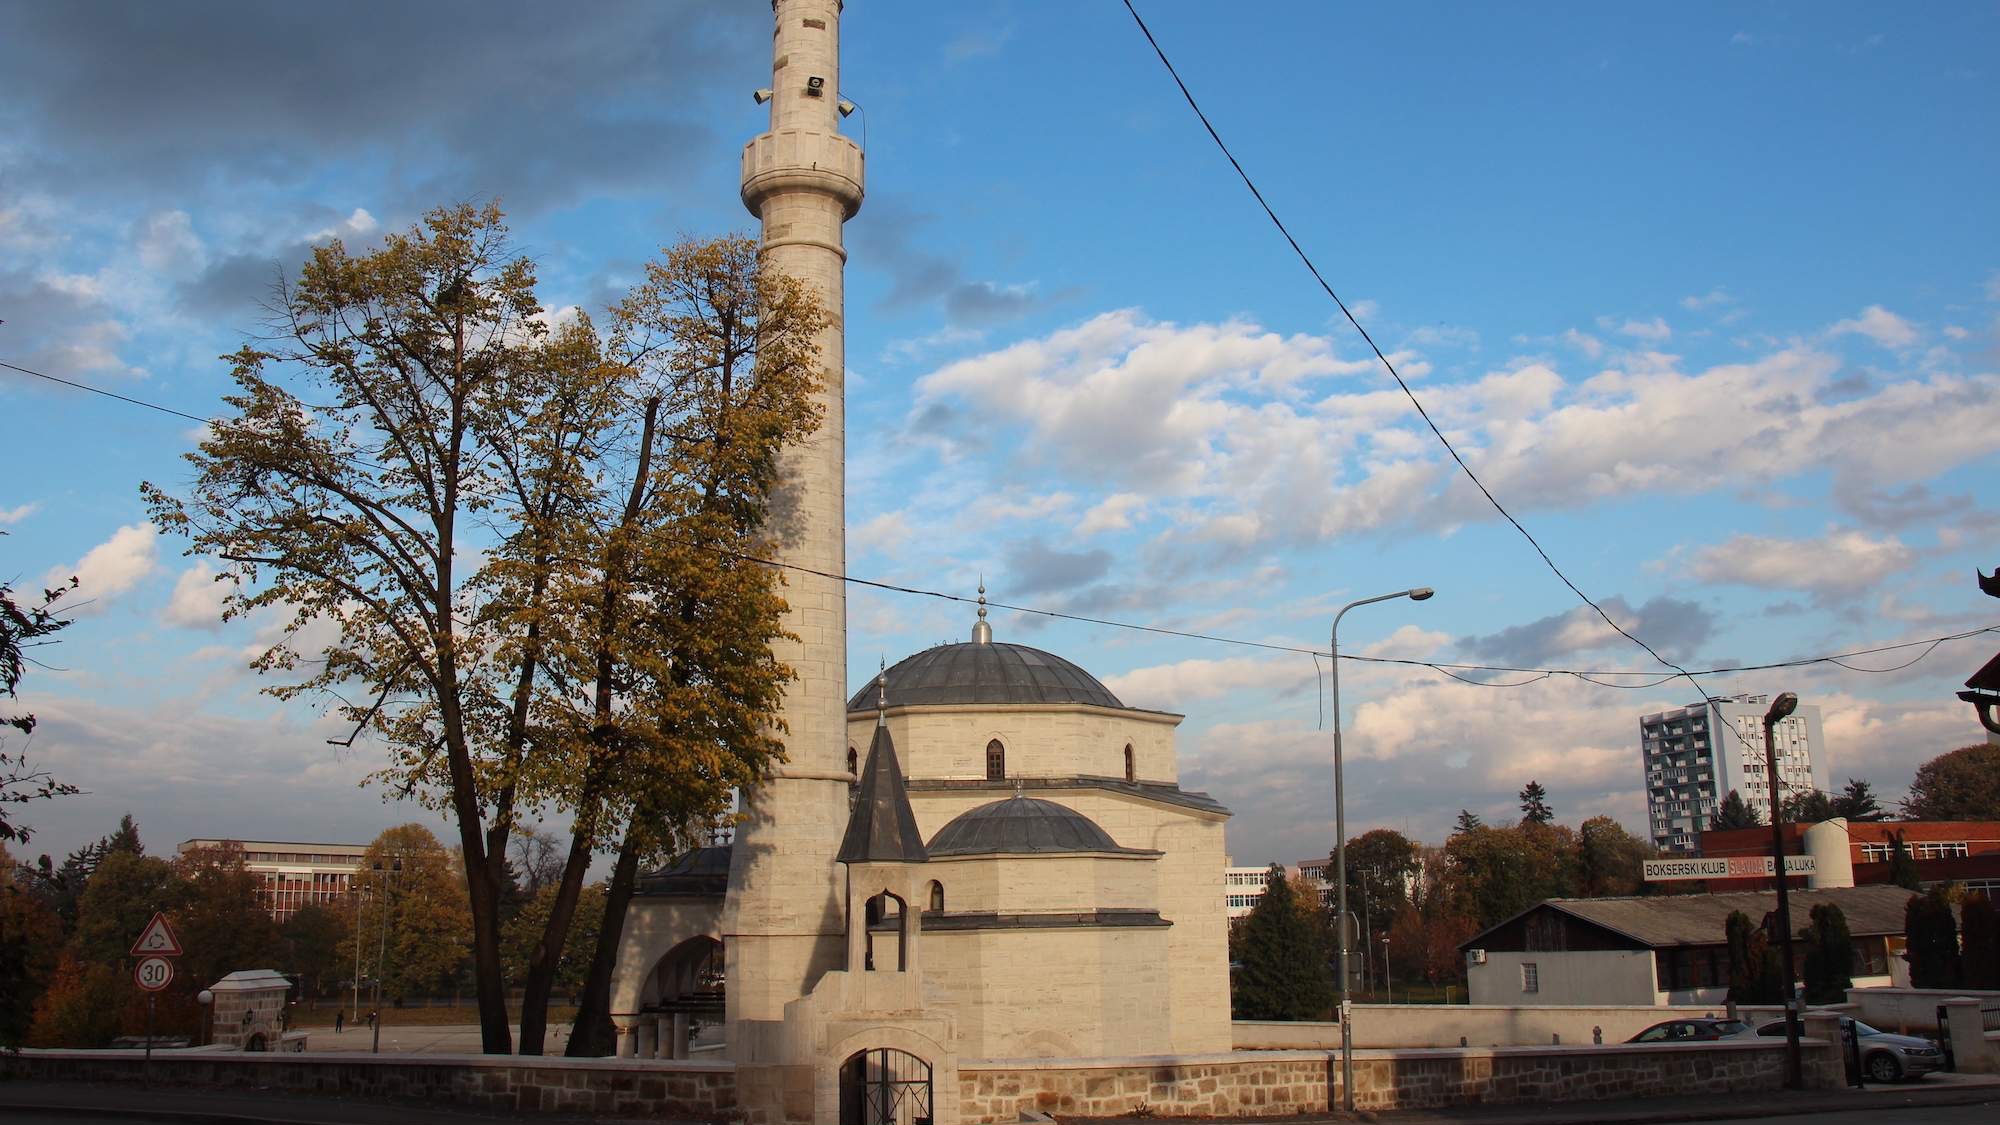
(1021, 824)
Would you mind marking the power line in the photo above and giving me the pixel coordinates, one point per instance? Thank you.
(1306, 259)
(1447, 668)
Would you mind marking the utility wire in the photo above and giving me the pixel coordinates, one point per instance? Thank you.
(1306, 259)
(1443, 667)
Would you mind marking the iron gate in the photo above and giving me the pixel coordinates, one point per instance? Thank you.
(885, 1086)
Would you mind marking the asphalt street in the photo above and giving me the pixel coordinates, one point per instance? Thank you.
(1983, 1114)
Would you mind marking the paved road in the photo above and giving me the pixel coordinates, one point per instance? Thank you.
(1984, 1114)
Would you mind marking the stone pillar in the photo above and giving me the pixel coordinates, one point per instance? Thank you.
(646, 1034)
(782, 922)
(628, 1040)
(1821, 1066)
(1970, 1049)
(680, 1036)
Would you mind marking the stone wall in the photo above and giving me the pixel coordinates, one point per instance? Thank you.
(624, 1088)
(1266, 1083)
(1441, 1025)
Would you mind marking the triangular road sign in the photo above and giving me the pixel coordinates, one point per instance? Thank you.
(157, 939)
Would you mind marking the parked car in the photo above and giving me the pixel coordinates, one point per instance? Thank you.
(1885, 1057)
(1703, 1030)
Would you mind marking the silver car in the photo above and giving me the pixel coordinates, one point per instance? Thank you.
(1885, 1057)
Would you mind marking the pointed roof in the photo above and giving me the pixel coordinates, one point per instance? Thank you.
(882, 829)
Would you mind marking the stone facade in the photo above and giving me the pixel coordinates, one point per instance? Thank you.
(1267, 1084)
(697, 1091)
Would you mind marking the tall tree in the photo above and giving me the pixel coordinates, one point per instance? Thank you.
(1756, 975)
(30, 940)
(1829, 964)
(413, 919)
(1933, 941)
(1808, 806)
(24, 627)
(1857, 802)
(1535, 804)
(1610, 860)
(1902, 866)
(1380, 865)
(1284, 973)
(1466, 822)
(677, 601)
(355, 487)
(1734, 812)
(219, 918)
(1961, 785)
(1979, 931)
(310, 942)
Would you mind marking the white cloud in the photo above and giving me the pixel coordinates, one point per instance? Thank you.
(1590, 346)
(1653, 330)
(357, 224)
(14, 515)
(167, 244)
(197, 599)
(1953, 331)
(110, 568)
(1169, 687)
(1879, 325)
(1838, 563)
(1113, 513)
(1714, 298)
(883, 534)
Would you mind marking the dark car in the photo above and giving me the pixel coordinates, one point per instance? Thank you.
(1885, 1056)
(1703, 1030)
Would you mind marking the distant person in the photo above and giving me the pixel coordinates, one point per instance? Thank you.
(339, 1019)
(371, 1018)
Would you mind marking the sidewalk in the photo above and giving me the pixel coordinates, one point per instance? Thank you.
(230, 1107)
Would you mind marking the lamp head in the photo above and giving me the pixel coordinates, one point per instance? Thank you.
(760, 96)
(1782, 706)
(846, 107)
(1421, 593)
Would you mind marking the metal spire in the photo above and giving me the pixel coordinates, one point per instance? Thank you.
(982, 632)
(882, 693)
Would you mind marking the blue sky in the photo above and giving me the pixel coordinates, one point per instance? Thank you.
(1709, 295)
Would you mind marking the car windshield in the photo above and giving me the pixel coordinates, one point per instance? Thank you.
(1729, 1027)
(1863, 1029)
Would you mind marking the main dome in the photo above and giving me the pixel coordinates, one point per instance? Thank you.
(1020, 824)
(985, 672)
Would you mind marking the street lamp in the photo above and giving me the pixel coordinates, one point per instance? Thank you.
(1387, 983)
(382, 951)
(1415, 594)
(1780, 708)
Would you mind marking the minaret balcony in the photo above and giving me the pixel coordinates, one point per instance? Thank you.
(785, 160)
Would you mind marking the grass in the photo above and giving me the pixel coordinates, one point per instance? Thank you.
(322, 1016)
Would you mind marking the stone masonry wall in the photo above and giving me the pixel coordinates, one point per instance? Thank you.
(1422, 1079)
(701, 1091)
(1267, 1083)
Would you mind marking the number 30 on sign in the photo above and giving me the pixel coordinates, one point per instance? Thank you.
(154, 973)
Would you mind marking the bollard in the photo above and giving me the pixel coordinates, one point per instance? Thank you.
(1597, 1036)
(1461, 1041)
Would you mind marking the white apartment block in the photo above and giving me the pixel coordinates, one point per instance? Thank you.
(1694, 756)
(1243, 886)
(292, 875)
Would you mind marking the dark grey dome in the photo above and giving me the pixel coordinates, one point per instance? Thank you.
(985, 673)
(1021, 824)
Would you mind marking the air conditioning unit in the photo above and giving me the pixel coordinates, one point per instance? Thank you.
(1475, 956)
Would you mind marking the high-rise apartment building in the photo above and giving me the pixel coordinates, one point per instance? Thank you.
(1694, 756)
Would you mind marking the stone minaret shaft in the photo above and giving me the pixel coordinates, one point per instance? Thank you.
(783, 925)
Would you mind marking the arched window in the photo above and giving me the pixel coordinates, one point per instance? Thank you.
(1131, 768)
(854, 765)
(937, 896)
(884, 915)
(996, 761)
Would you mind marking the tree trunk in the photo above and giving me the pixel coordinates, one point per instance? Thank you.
(593, 1036)
(540, 980)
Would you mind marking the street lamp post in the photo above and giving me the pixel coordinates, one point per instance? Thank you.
(382, 953)
(1415, 594)
(1780, 708)
(1387, 984)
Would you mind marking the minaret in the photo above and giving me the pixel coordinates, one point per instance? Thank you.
(783, 924)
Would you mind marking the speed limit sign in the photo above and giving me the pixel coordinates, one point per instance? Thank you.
(154, 973)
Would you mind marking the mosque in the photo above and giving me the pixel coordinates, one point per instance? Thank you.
(982, 854)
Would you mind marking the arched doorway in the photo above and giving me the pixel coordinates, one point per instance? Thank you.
(885, 1086)
(683, 995)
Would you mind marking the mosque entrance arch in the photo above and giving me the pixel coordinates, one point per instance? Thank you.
(885, 1086)
(684, 991)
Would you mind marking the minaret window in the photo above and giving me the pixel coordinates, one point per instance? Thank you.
(937, 897)
(996, 761)
(853, 767)
(885, 915)
(1131, 769)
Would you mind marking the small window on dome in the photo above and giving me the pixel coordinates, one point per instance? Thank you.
(996, 761)
(1131, 769)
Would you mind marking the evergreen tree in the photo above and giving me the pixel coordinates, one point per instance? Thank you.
(1756, 976)
(1467, 821)
(1829, 964)
(1980, 929)
(1734, 813)
(1902, 867)
(1535, 804)
(1284, 973)
(1857, 802)
(1933, 941)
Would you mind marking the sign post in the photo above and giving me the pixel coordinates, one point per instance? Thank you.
(154, 972)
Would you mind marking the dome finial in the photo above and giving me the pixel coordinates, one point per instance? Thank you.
(982, 632)
(882, 693)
